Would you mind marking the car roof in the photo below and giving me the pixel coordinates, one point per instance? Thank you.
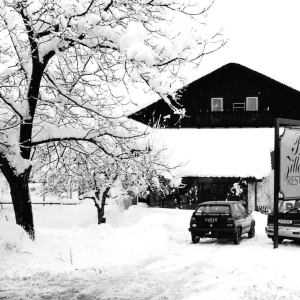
(219, 202)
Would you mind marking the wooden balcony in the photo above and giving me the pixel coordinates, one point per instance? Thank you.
(226, 119)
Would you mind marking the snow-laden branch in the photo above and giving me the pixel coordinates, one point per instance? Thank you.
(18, 37)
(21, 109)
(10, 151)
(45, 132)
(62, 92)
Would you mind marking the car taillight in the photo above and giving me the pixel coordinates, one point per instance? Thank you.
(193, 222)
(230, 222)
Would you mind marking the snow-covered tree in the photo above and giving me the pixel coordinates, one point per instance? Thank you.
(94, 173)
(66, 69)
(239, 190)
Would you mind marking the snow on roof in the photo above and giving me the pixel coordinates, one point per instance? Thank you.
(218, 152)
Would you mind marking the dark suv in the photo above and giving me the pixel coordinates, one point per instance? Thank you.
(221, 219)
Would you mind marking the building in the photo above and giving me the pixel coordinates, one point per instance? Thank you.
(235, 106)
(232, 96)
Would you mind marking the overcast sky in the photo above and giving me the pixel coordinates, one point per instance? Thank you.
(264, 35)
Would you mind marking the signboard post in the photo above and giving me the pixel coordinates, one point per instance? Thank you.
(286, 165)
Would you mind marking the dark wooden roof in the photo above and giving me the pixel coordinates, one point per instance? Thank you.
(232, 82)
(234, 70)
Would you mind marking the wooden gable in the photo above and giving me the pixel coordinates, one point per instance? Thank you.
(231, 96)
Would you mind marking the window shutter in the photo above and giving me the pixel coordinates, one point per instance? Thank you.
(252, 103)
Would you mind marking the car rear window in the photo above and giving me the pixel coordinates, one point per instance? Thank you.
(213, 209)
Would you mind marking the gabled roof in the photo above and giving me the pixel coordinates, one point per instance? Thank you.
(235, 68)
(228, 79)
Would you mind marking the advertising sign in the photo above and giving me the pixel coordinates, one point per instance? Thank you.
(290, 163)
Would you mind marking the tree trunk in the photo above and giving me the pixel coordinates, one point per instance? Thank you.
(100, 209)
(101, 218)
(19, 189)
(100, 213)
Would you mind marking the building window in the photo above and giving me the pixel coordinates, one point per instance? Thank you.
(238, 106)
(252, 103)
(216, 104)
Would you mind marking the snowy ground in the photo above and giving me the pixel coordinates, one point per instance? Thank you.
(141, 253)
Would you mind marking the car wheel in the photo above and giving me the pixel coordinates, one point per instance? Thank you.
(251, 233)
(195, 239)
(237, 237)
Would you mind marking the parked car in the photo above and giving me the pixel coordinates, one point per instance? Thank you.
(221, 219)
(288, 221)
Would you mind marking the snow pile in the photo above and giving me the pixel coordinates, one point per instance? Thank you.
(13, 238)
(65, 231)
(139, 253)
(114, 213)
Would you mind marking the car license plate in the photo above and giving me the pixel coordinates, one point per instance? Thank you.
(281, 221)
(211, 220)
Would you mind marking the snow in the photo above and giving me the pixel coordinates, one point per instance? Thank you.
(10, 146)
(217, 152)
(140, 253)
(43, 131)
(135, 41)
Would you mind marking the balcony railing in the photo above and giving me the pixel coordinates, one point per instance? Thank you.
(227, 119)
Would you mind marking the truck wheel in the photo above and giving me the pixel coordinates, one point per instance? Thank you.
(237, 236)
(251, 233)
(195, 239)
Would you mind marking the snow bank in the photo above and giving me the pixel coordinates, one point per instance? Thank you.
(68, 236)
(62, 228)
(13, 238)
(139, 253)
